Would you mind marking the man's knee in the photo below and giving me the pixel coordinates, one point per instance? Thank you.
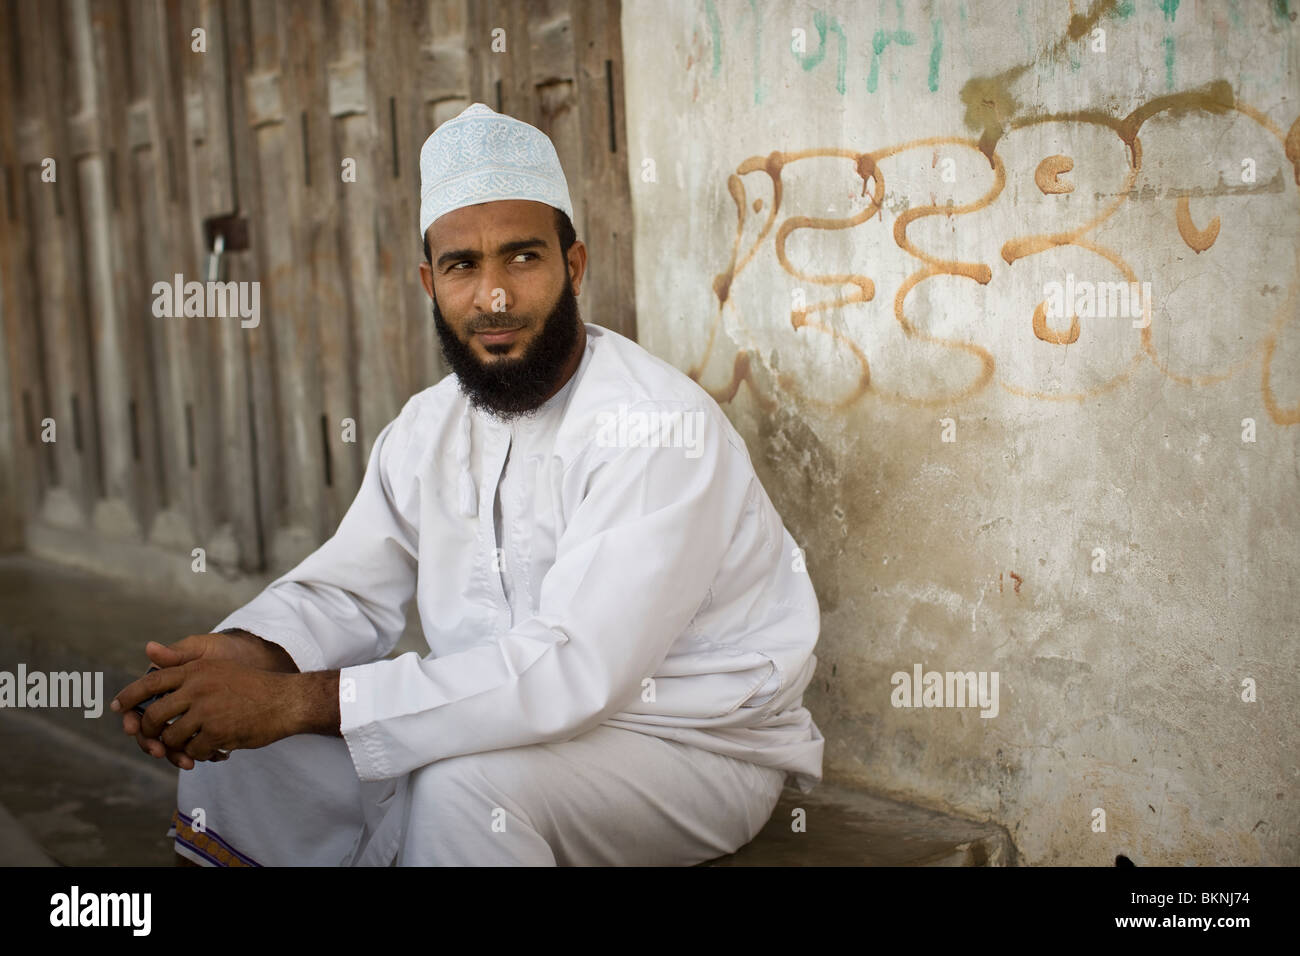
(478, 809)
(478, 789)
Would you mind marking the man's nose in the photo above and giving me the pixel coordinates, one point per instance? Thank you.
(493, 294)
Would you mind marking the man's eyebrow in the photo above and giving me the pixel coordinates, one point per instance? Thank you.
(514, 245)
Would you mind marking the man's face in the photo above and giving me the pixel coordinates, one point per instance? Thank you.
(504, 301)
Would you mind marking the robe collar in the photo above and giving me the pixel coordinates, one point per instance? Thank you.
(464, 443)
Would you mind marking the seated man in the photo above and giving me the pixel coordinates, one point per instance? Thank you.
(620, 629)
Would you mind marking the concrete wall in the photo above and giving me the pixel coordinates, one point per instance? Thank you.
(1100, 531)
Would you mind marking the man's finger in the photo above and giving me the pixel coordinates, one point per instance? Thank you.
(180, 759)
(130, 723)
(155, 682)
(150, 746)
(201, 747)
(162, 710)
(156, 750)
(178, 734)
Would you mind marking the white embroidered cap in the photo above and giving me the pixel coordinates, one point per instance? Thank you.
(481, 156)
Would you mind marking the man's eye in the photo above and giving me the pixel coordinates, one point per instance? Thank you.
(533, 254)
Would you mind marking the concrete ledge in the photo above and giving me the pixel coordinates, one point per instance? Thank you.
(847, 827)
(133, 564)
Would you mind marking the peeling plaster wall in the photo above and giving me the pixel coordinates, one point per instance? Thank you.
(1098, 532)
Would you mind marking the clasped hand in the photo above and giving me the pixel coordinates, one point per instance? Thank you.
(220, 692)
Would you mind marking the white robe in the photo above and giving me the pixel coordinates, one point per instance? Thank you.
(648, 588)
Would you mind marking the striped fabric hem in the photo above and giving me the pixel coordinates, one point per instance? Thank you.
(206, 845)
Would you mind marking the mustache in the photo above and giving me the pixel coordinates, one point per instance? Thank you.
(500, 322)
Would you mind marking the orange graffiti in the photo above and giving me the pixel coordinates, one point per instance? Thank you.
(997, 112)
(1047, 175)
(1198, 240)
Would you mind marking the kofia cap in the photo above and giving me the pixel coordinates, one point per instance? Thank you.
(483, 156)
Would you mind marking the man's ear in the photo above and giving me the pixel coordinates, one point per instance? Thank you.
(426, 278)
(577, 265)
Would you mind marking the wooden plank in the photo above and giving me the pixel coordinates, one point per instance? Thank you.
(247, 414)
(52, 210)
(281, 208)
(501, 78)
(225, 461)
(123, 127)
(11, 518)
(161, 39)
(606, 228)
(551, 34)
(22, 479)
(326, 302)
(97, 74)
(205, 190)
(405, 329)
(486, 67)
(11, 472)
(160, 413)
(278, 374)
(264, 105)
(444, 60)
(360, 112)
(519, 96)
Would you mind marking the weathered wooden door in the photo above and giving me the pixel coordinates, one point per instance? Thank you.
(134, 133)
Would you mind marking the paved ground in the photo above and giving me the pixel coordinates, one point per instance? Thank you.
(78, 792)
(84, 803)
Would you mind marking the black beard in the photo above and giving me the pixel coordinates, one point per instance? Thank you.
(507, 388)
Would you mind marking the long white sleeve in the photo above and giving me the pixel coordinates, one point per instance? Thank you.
(632, 567)
(345, 603)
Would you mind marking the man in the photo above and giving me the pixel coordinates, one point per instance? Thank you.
(620, 631)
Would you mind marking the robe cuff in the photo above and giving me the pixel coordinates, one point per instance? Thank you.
(357, 721)
(306, 655)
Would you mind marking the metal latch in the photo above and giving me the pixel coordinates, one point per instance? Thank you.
(222, 234)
